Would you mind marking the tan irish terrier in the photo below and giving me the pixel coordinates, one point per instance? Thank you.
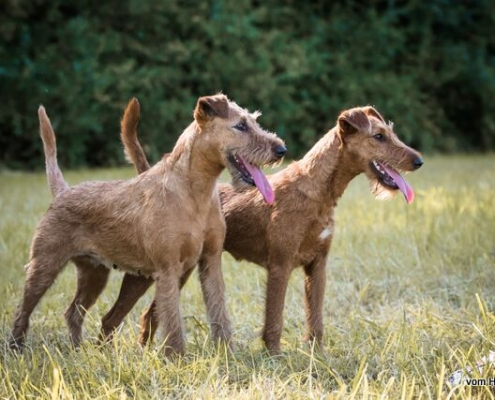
(298, 228)
(160, 224)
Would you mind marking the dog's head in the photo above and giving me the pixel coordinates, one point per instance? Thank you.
(377, 151)
(237, 142)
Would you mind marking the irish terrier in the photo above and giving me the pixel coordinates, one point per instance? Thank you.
(160, 224)
(298, 228)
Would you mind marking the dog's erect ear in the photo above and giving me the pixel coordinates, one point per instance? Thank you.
(210, 107)
(353, 120)
(372, 112)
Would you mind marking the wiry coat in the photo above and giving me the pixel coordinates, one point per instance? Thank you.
(298, 228)
(158, 224)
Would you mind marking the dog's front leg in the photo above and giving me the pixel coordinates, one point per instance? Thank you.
(149, 320)
(278, 279)
(314, 287)
(167, 308)
(213, 286)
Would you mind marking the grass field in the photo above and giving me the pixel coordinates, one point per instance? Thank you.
(410, 296)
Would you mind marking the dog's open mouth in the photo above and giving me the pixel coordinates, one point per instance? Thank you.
(252, 175)
(392, 179)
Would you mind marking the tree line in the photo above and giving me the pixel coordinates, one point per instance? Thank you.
(428, 66)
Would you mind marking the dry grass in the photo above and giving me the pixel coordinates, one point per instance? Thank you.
(410, 295)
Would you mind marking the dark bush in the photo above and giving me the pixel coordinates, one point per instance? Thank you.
(429, 66)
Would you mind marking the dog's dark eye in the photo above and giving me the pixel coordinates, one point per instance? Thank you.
(379, 137)
(241, 126)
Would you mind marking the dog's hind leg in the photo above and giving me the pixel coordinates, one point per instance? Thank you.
(133, 287)
(91, 280)
(41, 272)
(149, 324)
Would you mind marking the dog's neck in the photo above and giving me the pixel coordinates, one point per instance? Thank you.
(328, 168)
(190, 164)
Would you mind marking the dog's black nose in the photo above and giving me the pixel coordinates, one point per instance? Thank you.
(418, 162)
(280, 151)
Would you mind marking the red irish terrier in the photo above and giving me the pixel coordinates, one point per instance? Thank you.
(159, 224)
(298, 228)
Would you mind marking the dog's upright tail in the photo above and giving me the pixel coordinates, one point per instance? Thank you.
(54, 175)
(132, 148)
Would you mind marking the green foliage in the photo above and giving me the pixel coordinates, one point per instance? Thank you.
(429, 66)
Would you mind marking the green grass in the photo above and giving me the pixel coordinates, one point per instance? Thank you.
(410, 295)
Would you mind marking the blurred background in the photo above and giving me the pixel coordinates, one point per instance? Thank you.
(427, 66)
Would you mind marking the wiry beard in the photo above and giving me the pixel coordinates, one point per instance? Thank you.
(382, 192)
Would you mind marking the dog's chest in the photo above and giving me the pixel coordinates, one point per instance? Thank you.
(190, 245)
(315, 239)
(326, 232)
(321, 228)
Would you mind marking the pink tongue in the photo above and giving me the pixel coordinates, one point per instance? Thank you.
(404, 187)
(261, 182)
